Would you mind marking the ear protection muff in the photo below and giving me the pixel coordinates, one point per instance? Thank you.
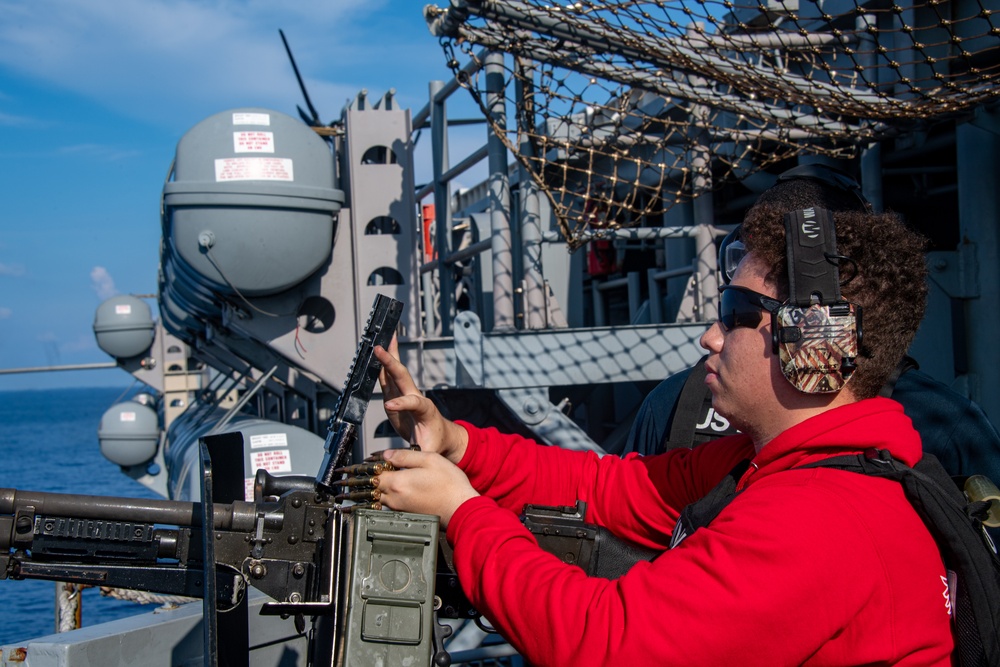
(831, 177)
(815, 333)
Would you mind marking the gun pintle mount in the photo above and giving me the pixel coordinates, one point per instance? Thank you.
(294, 542)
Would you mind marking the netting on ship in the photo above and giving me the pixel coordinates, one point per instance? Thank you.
(618, 110)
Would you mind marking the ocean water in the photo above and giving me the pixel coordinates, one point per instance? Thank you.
(48, 441)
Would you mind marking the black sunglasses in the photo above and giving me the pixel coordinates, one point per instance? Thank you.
(742, 307)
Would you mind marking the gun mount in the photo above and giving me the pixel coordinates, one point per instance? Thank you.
(376, 601)
(506, 328)
(365, 577)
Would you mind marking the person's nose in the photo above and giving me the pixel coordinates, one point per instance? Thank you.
(712, 339)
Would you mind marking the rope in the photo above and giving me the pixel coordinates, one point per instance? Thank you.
(143, 597)
(621, 110)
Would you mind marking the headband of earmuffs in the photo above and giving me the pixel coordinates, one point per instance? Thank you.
(811, 243)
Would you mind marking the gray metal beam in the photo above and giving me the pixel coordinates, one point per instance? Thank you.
(978, 144)
(442, 206)
(499, 198)
(515, 14)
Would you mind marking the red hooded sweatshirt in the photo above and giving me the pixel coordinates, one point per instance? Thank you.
(804, 567)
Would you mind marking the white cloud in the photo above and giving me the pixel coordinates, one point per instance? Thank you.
(149, 59)
(5, 313)
(13, 270)
(102, 282)
(10, 120)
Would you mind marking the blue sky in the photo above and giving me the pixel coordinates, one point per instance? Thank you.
(94, 95)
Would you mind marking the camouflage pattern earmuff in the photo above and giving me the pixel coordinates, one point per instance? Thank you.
(815, 333)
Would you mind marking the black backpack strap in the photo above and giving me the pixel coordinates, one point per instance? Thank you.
(702, 512)
(966, 549)
(687, 410)
(907, 363)
(954, 523)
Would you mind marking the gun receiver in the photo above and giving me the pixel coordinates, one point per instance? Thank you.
(302, 550)
(562, 531)
(122, 542)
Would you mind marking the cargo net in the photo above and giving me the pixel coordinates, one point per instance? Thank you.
(619, 110)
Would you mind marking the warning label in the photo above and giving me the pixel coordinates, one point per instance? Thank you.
(253, 142)
(127, 416)
(268, 440)
(251, 119)
(254, 169)
(272, 460)
(123, 309)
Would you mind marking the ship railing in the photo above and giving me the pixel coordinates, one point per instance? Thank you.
(438, 278)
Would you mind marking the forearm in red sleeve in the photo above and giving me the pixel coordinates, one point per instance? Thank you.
(513, 470)
(551, 612)
(637, 498)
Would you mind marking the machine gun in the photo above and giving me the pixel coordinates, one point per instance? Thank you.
(373, 582)
(364, 577)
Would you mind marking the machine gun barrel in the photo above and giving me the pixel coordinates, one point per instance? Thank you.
(18, 507)
(168, 547)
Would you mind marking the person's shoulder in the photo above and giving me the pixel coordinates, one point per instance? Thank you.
(726, 451)
(667, 391)
(936, 409)
(917, 387)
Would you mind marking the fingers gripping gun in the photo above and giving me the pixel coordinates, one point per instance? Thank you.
(365, 577)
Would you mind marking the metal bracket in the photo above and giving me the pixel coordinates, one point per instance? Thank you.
(955, 272)
(547, 422)
(469, 348)
(232, 627)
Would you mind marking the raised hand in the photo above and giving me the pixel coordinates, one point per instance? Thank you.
(413, 415)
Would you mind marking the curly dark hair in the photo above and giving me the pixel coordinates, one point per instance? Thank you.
(890, 285)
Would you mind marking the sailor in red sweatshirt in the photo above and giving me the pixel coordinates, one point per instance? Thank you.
(804, 566)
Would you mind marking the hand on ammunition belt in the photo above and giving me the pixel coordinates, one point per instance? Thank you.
(361, 484)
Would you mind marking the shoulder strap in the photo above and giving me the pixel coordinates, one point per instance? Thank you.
(702, 512)
(953, 522)
(905, 364)
(693, 420)
(965, 547)
(687, 410)
(693, 404)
